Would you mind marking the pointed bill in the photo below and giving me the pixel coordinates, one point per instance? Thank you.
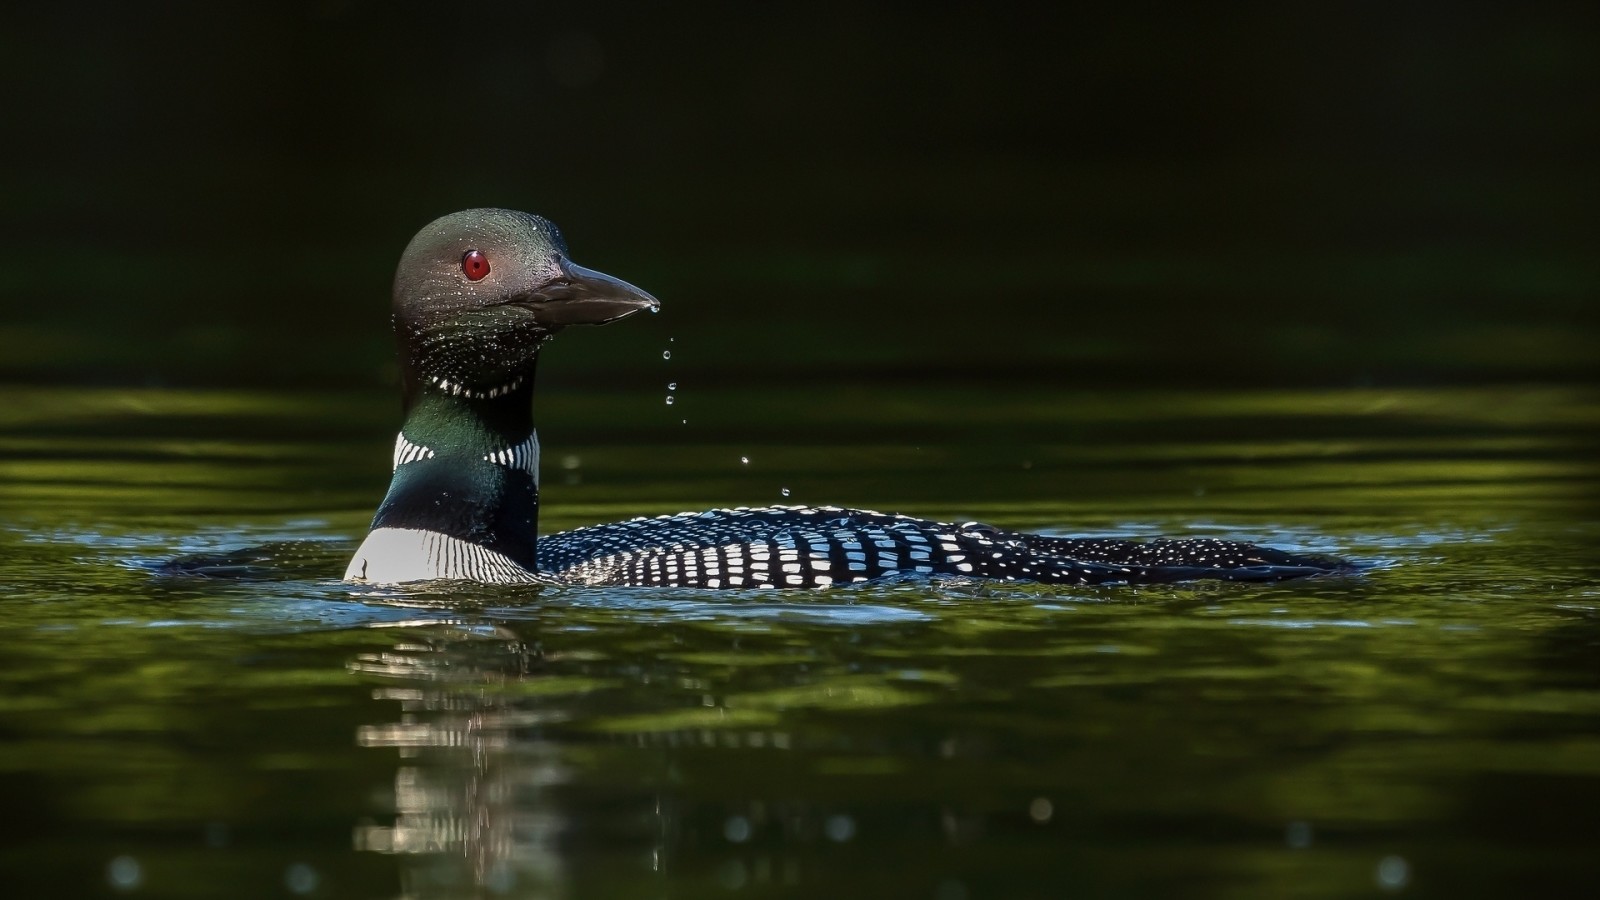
(580, 296)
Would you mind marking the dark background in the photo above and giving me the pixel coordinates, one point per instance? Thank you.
(215, 194)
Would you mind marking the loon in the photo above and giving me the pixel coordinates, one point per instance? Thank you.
(476, 294)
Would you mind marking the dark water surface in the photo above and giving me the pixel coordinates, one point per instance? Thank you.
(1431, 728)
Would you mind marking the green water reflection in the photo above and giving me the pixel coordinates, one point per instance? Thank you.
(1431, 727)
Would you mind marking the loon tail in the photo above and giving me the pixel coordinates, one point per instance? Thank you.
(1168, 560)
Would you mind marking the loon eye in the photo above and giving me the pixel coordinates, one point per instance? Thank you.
(474, 265)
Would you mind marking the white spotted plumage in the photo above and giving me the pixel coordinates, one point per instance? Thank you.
(783, 547)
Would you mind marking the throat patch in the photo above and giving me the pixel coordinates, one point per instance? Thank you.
(457, 389)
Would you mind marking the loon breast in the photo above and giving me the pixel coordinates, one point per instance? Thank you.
(400, 555)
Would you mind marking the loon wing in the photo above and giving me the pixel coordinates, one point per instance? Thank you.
(795, 546)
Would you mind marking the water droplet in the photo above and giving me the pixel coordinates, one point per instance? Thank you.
(669, 400)
(300, 878)
(666, 354)
(745, 460)
(786, 492)
(1393, 873)
(124, 873)
(840, 828)
(737, 829)
(672, 385)
(1041, 809)
(1298, 835)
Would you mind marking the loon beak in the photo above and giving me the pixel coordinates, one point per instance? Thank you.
(580, 296)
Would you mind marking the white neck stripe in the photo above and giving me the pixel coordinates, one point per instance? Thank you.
(405, 451)
(524, 456)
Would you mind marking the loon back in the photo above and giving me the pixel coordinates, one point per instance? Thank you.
(814, 547)
(477, 293)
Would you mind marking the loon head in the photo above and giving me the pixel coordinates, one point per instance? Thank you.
(478, 291)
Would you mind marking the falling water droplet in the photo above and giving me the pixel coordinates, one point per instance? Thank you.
(300, 878)
(669, 399)
(672, 385)
(124, 873)
(666, 354)
(1393, 873)
(786, 492)
(745, 460)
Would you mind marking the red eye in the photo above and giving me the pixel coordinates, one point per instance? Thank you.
(474, 265)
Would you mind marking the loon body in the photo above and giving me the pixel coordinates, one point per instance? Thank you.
(477, 293)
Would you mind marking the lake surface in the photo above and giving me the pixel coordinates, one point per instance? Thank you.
(1429, 728)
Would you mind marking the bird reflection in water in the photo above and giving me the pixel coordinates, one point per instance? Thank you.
(471, 796)
(561, 768)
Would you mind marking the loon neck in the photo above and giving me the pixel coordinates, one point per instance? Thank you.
(471, 419)
(466, 465)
